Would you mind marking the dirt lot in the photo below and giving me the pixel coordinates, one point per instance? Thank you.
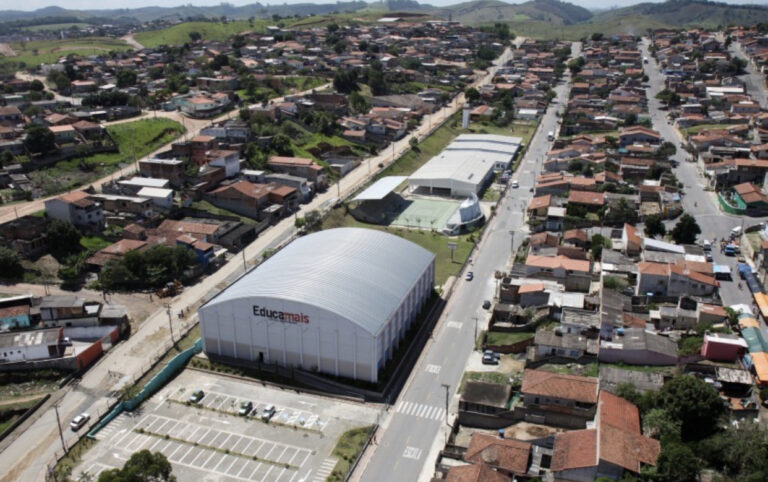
(138, 305)
(6, 50)
(517, 431)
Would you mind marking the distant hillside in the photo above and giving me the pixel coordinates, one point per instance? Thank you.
(148, 14)
(489, 11)
(685, 13)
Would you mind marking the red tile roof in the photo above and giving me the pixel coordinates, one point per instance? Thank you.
(510, 455)
(575, 449)
(559, 385)
(475, 473)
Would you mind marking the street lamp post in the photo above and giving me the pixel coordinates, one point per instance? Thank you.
(170, 321)
(447, 388)
(58, 425)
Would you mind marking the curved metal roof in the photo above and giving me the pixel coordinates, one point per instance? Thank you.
(359, 274)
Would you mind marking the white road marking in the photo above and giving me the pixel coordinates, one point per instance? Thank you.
(412, 453)
(433, 369)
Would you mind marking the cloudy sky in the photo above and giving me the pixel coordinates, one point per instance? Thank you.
(103, 4)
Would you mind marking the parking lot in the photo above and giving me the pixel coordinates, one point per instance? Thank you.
(209, 441)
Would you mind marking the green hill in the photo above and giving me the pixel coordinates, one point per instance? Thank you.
(690, 13)
(489, 11)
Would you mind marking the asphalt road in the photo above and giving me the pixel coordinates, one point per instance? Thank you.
(411, 439)
(27, 453)
(701, 204)
(754, 80)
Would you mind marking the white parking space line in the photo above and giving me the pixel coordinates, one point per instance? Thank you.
(194, 439)
(208, 459)
(216, 469)
(203, 453)
(243, 468)
(174, 452)
(277, 459)
(234, 459)
(271, 467)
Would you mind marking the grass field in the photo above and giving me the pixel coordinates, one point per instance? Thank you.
(206, 206)
(94, 243)
(631, 24)
(49, 51)
(55, 26)
(134, 139)
(290, 85)
(429, 148)
(434, 242)
(696, 129)
(521, 129)
(347, 449)
(210, 31)
(504, 338)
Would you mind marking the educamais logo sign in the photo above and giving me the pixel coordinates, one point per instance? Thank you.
(283, 316)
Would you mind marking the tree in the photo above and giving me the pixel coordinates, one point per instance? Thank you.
(358, 103)
(471, 94)
(345, 81)
(695, 404)
(414, 143)
(282, 145)
(686, 230)
(313, 220)
(596, 37)
(36, 86)
(143, 466)
(126, 78)
(658, 424)
(668, 97)
(677, 462)
(654, 226)
(10, 264)
(63, 237)
(666, 149)
(195, 36)
(39, 139)
(376, 81)
(598, 242)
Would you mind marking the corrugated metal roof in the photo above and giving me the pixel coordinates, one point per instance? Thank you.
(360, 274)
(380, 188)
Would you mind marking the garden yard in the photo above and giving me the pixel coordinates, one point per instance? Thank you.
(134, 139)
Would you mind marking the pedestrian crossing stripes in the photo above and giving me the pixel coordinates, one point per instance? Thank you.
(112, 427)
(325, 470)
(420, 410)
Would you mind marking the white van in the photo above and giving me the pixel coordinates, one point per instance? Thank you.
(550, 136)
(736, 232)
(707, 245)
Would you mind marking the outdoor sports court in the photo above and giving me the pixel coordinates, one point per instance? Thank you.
(426, 214)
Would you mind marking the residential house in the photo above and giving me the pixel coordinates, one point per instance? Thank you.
(561, 399)
(170, 169)
(298, 166)
(636, 346)
(510, 457)
(249, 199)
(615, 446)
(25, 235)
(78, 208)
(21, 346)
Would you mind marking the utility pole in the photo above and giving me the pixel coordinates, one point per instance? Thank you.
(58, 425)
(170, 321)
(447, 388)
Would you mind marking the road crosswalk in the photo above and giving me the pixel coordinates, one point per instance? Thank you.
(325, 470)
(420, 410)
